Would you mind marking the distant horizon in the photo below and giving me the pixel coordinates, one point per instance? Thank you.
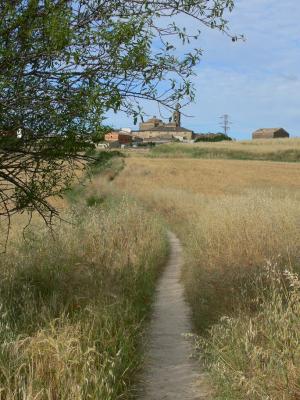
(231, 133)
(256, 82)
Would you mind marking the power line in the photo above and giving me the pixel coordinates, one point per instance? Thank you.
(225, 123)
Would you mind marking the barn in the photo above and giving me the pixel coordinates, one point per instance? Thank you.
(270, 133)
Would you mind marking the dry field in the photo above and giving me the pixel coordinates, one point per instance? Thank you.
(239, 222)
(208, 177)
(283, 150)
(72, 306)
(259, 145)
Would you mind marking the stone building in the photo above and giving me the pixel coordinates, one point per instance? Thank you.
(155, 128)
(270, 133)
(118, 137)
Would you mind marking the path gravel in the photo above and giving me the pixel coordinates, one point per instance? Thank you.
(170, 373)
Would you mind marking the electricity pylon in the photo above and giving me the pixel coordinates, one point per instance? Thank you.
(225, 123)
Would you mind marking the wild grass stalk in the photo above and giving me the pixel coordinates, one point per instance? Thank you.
(257, 356)
(72, 308)
(228, 244)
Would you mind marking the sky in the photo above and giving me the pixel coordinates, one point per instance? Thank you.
(256, 82)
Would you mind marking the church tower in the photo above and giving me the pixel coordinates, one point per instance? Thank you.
(177, 116)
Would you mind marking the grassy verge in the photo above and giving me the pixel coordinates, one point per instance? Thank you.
(73, 306)
(106, 164)
(109, 163)
(209, 152)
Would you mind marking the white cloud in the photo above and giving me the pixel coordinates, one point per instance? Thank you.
(251, 101)
(257, 82)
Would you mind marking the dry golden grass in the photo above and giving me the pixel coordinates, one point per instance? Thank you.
(265, 145)
(207, 177)
(254, 146)
(255, 356)
(234, 217)
(280, 150)
(72, 307)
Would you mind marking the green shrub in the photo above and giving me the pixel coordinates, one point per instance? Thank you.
(218, 137)
(94, 200)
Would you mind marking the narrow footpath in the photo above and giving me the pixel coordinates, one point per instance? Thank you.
(170, 373)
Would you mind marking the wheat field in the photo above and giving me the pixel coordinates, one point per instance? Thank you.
(280, 150)
(73, 307)
(239, 222)
(211, 177)
(258, 145)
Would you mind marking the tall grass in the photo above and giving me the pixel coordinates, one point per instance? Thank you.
(105, 165)
(242, 259)
(257, 356)
(247, 314)
(73, 306)
(229, 242)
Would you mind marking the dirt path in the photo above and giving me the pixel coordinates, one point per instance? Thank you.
(170, 373)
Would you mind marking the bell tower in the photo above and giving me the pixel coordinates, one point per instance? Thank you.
(177, 116)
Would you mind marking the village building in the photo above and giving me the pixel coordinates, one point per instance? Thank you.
(156, 130)
(118, 137)
(270, 133)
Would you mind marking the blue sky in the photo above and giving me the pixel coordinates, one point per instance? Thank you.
(256, 82)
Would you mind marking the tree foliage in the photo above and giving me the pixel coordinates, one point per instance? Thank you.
(213, 137)
(64, 63)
